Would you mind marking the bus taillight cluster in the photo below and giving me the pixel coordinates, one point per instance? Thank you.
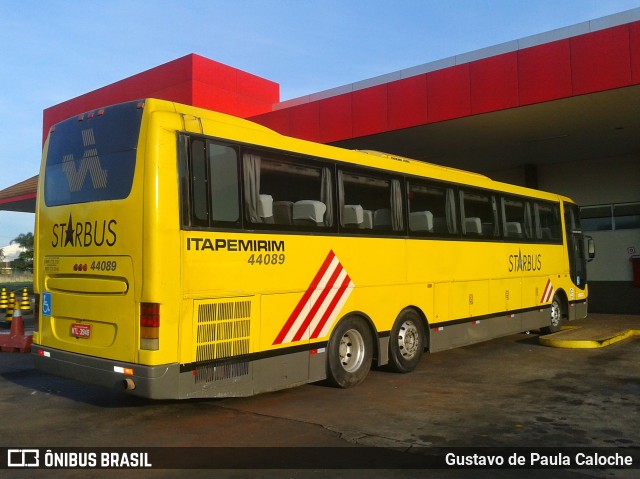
(149, 326)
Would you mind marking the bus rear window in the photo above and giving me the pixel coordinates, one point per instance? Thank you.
(92, 157)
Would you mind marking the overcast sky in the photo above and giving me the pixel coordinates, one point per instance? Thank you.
(55, 50)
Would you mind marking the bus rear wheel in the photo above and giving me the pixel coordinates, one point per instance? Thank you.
(349, 353)
(407, 341)
(556, 317)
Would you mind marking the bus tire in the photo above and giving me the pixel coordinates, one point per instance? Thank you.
(407, 342)
(349, 352)
(555, 317)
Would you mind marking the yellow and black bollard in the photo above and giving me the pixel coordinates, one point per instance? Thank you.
(4, 300)
(25, 304)
(11, 306)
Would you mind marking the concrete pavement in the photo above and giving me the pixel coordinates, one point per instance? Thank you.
(596, 331)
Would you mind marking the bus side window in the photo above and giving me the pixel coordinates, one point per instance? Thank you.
(208, 183)
(547, 220)
(286, 193)
(370, 202)
(198, 181)
(516, 217)
(528, 220)
(184, 178)
(479, 214)
(223, 167)
(431, 209)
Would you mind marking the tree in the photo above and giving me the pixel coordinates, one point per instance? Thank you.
(24, 262)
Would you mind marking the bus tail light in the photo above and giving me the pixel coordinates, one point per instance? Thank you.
(150, 326)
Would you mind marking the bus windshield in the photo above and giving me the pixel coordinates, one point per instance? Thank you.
(93, 161)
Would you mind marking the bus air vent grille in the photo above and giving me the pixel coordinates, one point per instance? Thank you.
(208, 373)
(223, 331)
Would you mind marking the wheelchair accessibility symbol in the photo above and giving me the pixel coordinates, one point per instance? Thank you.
(46, 304)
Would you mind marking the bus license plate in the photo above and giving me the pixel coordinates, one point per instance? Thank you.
(81, 330)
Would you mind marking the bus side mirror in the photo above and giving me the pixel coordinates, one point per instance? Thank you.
(591, 248)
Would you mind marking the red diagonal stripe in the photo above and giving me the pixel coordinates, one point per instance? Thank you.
(549, 294)
(332, 306)
(314, 284)
(545, 293)
(318, 303)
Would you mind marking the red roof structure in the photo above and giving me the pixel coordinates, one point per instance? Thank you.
(597, 61)
(20, 197)
(192, 80)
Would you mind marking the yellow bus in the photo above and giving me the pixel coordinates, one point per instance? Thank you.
(184, 253)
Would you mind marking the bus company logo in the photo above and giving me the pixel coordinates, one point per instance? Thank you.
(90, 163)
(23, 458)
(316, 312)
(84, 233)
(525, 262)
(234, 245)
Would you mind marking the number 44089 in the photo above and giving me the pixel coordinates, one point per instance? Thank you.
(104, 266)
(266, 259)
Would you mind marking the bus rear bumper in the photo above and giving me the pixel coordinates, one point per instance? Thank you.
(156, 382)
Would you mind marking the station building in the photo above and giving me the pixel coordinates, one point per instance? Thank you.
(557, 111)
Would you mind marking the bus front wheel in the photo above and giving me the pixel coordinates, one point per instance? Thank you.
(556, 317)
(406, 344)
(349, 353)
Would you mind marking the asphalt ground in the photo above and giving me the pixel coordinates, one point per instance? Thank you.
(511, 392)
